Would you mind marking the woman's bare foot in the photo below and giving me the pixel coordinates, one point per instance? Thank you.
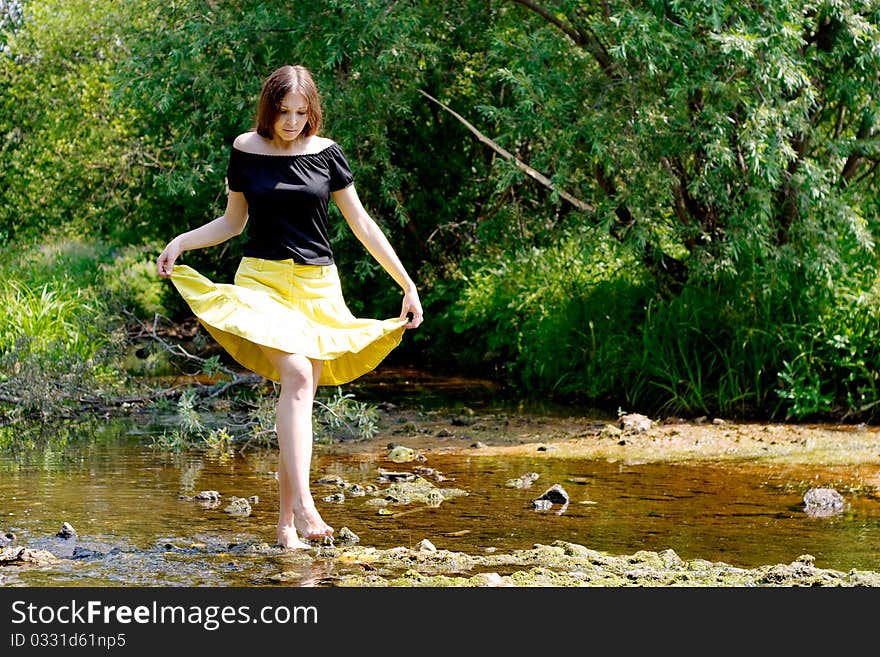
(288, 539)
(310, 526)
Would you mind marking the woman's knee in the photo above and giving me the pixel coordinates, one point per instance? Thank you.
(295, 370)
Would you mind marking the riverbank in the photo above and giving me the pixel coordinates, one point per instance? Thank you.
(630, 437)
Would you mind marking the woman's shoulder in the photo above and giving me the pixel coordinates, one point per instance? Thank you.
(316, 145)
(249, 141)
(319, 144)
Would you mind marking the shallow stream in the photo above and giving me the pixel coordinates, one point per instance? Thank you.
(138, 526)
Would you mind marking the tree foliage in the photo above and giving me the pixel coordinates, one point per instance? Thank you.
(732, 149)
(722, 157)
(70, 159)
(712, 137)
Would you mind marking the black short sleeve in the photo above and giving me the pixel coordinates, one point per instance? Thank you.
(234, 171)
(340, 172)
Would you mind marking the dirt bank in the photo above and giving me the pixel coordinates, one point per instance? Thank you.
(633, 438)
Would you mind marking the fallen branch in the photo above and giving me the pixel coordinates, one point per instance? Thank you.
(507, 155)
(254, 435)
(201, 389)
(208, 391)
(176, 349)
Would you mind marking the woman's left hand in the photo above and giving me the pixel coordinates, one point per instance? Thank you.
(412, 310)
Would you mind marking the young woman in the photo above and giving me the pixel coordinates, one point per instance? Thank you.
(285, 317)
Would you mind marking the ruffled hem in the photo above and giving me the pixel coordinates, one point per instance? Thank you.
(241, 319)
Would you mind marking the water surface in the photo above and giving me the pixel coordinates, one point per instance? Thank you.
(127, 501)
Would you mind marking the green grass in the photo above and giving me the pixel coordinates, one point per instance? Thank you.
(49, 319)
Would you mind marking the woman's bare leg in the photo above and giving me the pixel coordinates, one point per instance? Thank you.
(293, 425)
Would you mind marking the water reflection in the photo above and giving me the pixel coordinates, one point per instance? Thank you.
(138, 525)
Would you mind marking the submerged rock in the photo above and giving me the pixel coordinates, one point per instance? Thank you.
(67, 531)
(436, 475)
(823, 502)
(417, 490)
(25, 556)
(85, 553)
(207, 499)
(389, 475)
(238, 506)
(524, 481)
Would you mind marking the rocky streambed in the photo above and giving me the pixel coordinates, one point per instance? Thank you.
(410, 440)
(560, 564)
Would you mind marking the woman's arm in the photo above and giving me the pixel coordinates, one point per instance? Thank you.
(228, 225)
(371, 236)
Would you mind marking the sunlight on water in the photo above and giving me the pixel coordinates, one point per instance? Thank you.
(136, 527)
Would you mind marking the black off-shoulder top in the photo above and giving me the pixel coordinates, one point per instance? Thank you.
(287, 198)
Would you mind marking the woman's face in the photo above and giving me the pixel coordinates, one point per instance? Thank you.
(292, 117)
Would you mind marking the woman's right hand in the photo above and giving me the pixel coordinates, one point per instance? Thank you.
(165, 262)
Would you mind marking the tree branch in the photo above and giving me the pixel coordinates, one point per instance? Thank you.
(507, 155)
(787, 198)
(209, 391)
(550, 17)
(853, 162)
(869, 172)
(582, 38)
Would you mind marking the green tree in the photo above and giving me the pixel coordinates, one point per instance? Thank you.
(70, 161)
(710, 137)
(730, 148)
(640, 201)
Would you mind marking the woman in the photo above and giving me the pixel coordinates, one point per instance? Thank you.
(285, 317)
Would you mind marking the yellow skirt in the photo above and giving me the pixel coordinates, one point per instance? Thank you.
(291, 307)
